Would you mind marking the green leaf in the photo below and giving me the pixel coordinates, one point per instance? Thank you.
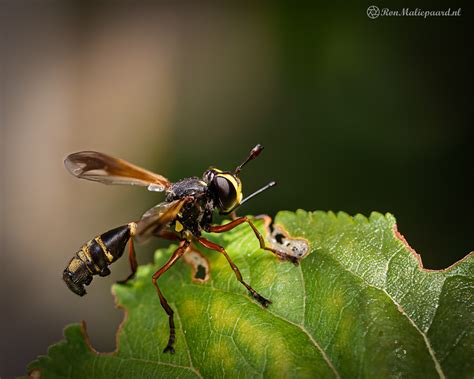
(359, 305)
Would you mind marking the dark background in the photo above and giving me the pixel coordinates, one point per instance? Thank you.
(355, 114)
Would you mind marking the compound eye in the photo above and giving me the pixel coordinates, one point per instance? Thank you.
(226, 192)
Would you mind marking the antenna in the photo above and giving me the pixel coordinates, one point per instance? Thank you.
(264, 188)
(269, 185)
(254, 153)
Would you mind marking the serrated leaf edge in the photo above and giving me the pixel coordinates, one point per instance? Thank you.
(267, 222)
(389, 217)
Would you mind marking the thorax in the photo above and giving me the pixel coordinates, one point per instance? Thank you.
(197, 213)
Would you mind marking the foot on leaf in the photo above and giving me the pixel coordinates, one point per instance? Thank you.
(168, 348)
(265, 302)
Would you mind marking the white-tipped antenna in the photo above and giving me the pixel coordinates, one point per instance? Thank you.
(269, 185)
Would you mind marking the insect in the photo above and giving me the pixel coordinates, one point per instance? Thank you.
(186, 212)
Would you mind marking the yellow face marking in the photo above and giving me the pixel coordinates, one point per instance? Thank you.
(109, 256)
(178, 227)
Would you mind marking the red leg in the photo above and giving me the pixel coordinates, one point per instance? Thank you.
(167, 235)
(176, 255)
(132, 258)
(231, 225)
(220, 249)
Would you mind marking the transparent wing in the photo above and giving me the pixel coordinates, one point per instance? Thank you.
(102, 168)
(157, 218)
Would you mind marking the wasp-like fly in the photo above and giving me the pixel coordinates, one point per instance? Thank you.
(186, 212)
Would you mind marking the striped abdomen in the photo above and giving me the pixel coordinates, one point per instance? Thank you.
(95, 256)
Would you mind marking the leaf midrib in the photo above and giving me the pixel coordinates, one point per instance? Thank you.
(301, 327)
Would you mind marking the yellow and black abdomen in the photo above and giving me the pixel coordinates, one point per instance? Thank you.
(95, 256)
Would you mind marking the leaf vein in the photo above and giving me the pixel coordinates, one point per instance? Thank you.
(191, 365)
(302, 327)
(402, 311)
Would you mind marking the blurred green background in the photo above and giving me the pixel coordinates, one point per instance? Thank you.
(355, 115)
